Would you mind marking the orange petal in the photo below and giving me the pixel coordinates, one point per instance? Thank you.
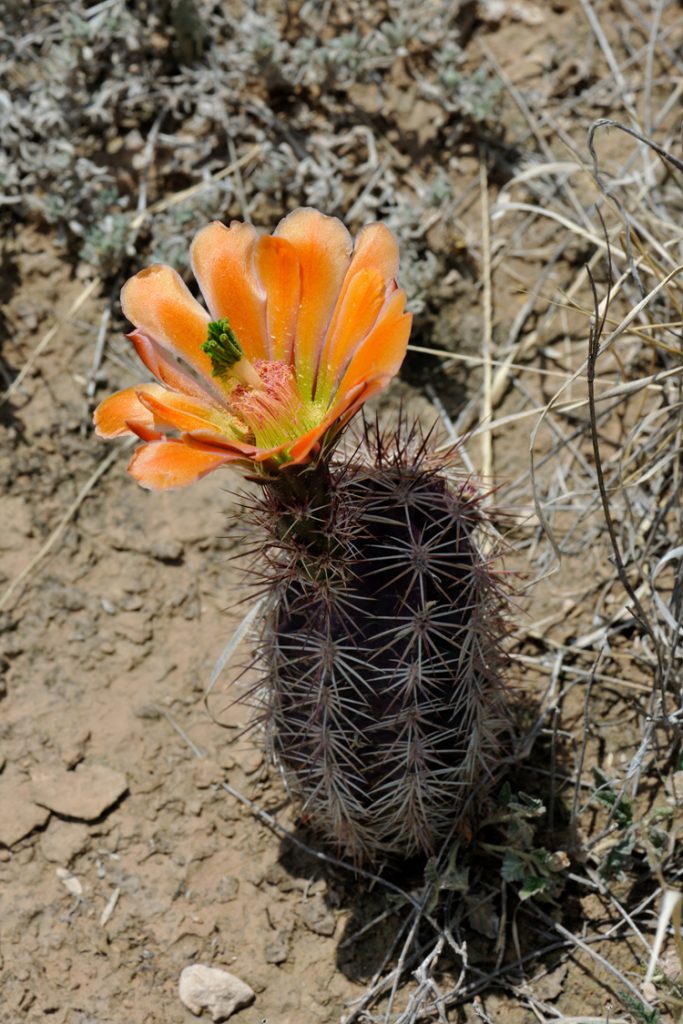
(223, 263)
(375, 247)
(381, 354)
(144, 431)
(182, 412)
(243, 449)
(323, 246)
(357, 314)
(166, 370)
(112, 415)
(161, 465)
(278, 267)
(159, 303)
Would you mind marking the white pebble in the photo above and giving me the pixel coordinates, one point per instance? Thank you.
(70, 881)
(209, 988)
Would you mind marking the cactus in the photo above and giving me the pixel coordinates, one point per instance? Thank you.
(381, 693)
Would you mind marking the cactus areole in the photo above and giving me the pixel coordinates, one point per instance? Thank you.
(379, 649)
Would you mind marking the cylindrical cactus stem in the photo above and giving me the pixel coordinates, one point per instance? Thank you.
(301, 499)
(382, 691)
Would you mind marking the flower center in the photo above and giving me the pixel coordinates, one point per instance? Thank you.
(263, 395)
(274, 412)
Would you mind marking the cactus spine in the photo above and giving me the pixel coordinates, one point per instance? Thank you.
(381, 693)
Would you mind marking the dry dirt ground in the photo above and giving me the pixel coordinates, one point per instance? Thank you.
(122, 859)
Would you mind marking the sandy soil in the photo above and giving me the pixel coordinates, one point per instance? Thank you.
(109, 646)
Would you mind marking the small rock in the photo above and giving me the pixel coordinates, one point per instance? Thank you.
(317, 917)
(73, 599)
(209, 988)
(277, 949)
(527, 13)
(277, 875)
(280, 916)
(251, 762)
(227, 889)
(150, 711)
(225, 759)
(12, 646)
(63, 841)
(492, 11)
(199, 925)
(552, 985)
(73, 745)
(206, 773)
(19, 815)
(71, 883)
(134, 631)
(169, 551)
(649, 991)
(254, 873)
(133, 140)
(84, 794)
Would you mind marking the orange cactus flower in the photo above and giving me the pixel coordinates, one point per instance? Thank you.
(303, 327)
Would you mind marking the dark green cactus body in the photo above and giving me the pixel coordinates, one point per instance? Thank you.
(382, 697)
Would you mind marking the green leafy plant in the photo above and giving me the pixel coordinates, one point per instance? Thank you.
(530, 868)
(640, 1012)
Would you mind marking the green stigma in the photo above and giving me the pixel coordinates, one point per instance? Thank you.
(222, 347)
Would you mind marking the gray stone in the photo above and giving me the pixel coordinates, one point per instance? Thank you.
(317, 917)
(276, 950)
